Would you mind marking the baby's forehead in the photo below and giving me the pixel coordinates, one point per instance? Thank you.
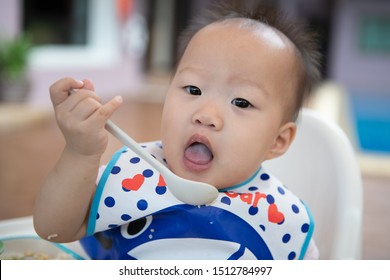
(257, 28)
(274, 39)
(238, 32)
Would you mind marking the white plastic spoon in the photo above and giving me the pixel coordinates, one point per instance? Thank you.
(189, 192)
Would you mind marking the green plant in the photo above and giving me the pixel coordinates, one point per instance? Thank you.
(13, 57)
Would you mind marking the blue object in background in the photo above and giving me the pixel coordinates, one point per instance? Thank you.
(371, 116)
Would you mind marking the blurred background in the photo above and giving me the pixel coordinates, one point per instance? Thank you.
(128, 47)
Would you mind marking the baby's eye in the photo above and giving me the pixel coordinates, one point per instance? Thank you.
(241, 103)
(193, 90)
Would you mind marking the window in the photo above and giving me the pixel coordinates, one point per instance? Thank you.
(375, 34)
(61, 22)
(72, 33)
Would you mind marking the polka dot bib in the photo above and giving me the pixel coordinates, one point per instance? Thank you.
(134, 216)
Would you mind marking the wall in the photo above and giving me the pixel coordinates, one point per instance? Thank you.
(9, 17)
(349, 66)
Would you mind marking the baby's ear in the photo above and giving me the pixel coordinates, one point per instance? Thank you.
(283, 140)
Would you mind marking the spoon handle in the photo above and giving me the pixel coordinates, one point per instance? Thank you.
(133, 145)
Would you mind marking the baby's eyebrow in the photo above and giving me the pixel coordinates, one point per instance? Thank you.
(191, 70)
(254, 84)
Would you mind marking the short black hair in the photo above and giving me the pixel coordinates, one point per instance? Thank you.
(266, 13)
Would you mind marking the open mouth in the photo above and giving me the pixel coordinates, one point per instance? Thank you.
(198, 153)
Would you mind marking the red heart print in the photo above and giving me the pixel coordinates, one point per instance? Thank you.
(274, 216)
(161, 182)
(133, 184)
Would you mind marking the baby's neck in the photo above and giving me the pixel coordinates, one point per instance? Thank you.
(234, 187)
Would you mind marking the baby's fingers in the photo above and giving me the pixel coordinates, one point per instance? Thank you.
(59, 91)
(106, 110)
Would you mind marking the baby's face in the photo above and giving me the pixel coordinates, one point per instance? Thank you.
(224, 110)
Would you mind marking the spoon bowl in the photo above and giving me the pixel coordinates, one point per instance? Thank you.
(187, 191)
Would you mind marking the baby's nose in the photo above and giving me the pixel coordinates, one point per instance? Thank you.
(209, 116)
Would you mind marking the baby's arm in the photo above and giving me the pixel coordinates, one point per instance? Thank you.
(63, 203)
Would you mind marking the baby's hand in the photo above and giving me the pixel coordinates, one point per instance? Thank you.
(81, 116)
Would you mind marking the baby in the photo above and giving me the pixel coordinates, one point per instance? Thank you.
(242, 76)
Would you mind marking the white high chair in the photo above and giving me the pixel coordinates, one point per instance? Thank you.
(320, 167)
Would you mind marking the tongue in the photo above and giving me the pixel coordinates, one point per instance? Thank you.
(198, 153)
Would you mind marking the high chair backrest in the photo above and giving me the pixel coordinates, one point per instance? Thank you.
(320, 167)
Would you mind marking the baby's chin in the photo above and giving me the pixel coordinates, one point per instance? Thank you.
(194, 176)
(220, 183)
(218, 179)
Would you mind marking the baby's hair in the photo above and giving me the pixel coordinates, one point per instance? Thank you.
(263, 12)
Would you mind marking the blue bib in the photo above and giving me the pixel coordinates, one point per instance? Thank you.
(134, 216)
